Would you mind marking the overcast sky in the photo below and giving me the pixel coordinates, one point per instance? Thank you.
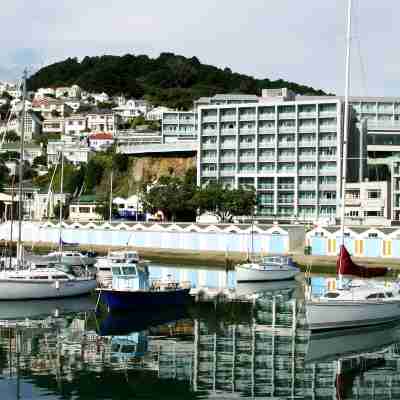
(300, 41)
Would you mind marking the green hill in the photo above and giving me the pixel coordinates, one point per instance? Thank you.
(170, 79)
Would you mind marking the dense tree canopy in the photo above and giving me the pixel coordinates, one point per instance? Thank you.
(170, 79)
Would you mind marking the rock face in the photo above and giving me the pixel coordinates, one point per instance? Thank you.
(151, 168)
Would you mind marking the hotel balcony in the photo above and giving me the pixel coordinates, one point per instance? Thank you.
(247, 131)
(308, 129)
(328, 186)
(307, 171)
(209, 173)
(307, 201)
(350, 201)
(266, 186)
(209, 132)
(247, 117)
(225, 132)
(227, 172)
(307, 143)
(210, 118)
(270, 158)
(327, 157)
(209, 159)
(228, 118)
(228, 145)
(228, 159)
(327, 202)
(286, 186)
(209, 146)
(328, 128)
(247, 158)
(328, 114)
(327, 143)
(286, 144)
(286, 129)
(328, 171)
(307, 186)
(267, 144)
(266, 129)
(284, 115)
(267, 116)
(307, 157)
(307, 114)
(245, 145)
(174, 121)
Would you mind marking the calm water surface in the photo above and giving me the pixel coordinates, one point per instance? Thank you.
(260, 349)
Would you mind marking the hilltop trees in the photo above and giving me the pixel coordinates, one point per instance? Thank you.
(170, 80)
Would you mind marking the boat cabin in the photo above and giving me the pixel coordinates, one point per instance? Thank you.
(124, 257)
(368, 293)
(132, 277)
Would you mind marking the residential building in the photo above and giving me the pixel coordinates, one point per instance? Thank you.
(84, 210)
(75, 152)
(132, 108)
(31, 150)
(29, 192)
(178, 125)
(130, 207)
(32, 126)
(75, 125)
(155, 114)
(51, 108)
(102, 121)
(100, 141)
(44, 203)
(53, 125)
(44, 92)
(75, 92)
(288, 151)
(131, 137)
(368, 203)
(73, 102)
(229, 98)
(100, 97)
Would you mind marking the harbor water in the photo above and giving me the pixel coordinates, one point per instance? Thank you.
(252, 346)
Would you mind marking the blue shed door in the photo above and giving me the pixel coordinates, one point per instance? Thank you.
(318, 246)
(277, 244)
(372, 247)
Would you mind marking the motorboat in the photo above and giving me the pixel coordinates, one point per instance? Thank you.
(132, 289)
(72, 258)
(254, 288)
(354, 303)
(115, 258)
(45, 283)
(270, 268)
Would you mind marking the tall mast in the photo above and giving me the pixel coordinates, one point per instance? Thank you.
(111, 194)
(60, 243)
(21, 171)
(346, 120)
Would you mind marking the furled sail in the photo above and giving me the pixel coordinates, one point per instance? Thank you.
(346, 266)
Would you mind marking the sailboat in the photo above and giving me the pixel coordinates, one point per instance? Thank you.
(353, 303)
(26, 281)
(268, 268)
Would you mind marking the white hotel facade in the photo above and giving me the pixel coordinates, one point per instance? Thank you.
(288, 150)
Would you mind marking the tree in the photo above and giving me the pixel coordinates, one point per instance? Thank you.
(12, 136)
(226, 203)
(39, 160)
(173, 197)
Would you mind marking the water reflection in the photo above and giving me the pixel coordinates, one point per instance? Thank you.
(260, 348)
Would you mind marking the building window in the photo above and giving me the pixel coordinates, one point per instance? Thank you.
(372, 235)
(374, 194)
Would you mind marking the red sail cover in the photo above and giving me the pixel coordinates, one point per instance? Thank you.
(346, 266)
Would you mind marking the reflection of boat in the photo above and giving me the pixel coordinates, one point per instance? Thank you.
(123, 323)
(131, 289)
(249, 288)
(271, 268)
(332, 345)
(359, 303)
(132, 345)
(14, 310)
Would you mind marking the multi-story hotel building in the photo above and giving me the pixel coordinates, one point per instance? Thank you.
(289, 151)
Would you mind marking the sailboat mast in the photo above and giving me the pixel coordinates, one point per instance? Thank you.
(21, 171)
(60, 244)
(346, 120)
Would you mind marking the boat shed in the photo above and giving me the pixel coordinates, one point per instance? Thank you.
(359, 241)
(244, 238)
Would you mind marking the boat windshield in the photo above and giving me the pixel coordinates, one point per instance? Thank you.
(131, 270)
(274, 260)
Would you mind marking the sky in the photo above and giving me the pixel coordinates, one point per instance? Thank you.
(300, 41)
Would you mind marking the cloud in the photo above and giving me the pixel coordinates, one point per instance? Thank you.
(297, 41)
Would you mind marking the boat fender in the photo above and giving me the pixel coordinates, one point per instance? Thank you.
(331, 284)
(57, 285)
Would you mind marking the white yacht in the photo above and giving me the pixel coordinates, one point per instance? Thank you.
(44, 283)
(72, 258)
(371, 303)
(115, 258)
(271, 268)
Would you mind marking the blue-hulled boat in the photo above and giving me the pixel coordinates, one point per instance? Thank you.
(132, 290)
